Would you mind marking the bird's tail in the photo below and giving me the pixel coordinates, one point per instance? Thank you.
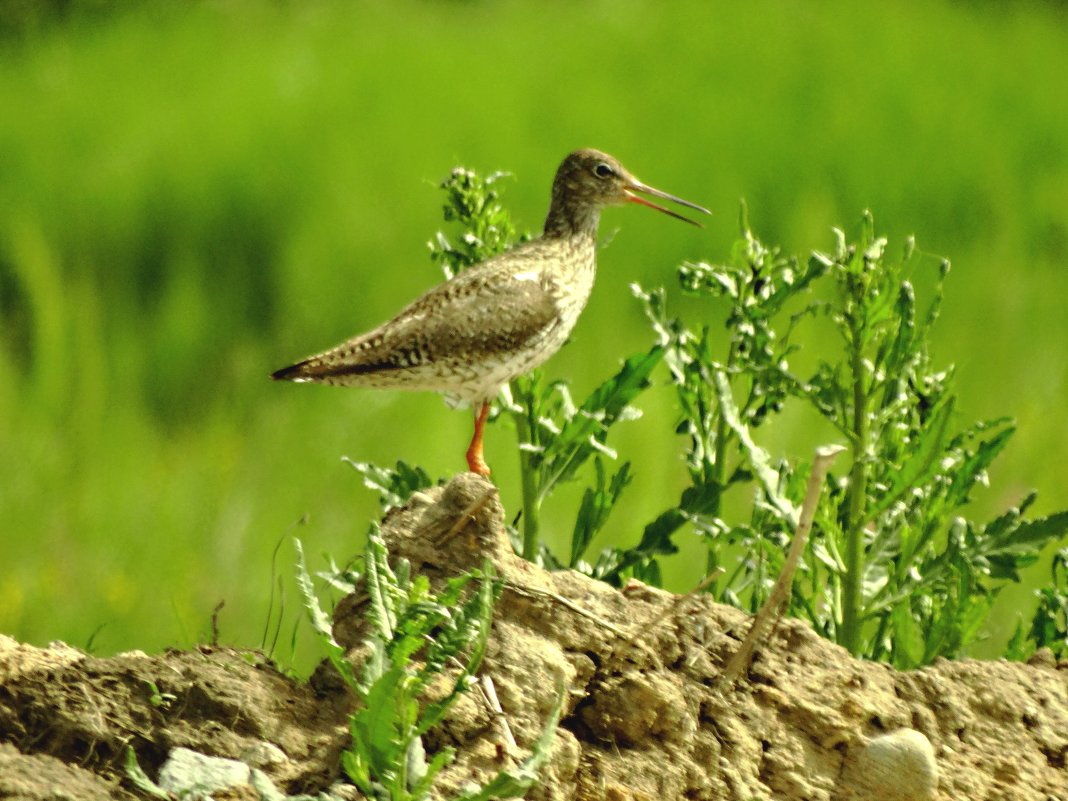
(340, 364)
(329, 368)
(301, 371)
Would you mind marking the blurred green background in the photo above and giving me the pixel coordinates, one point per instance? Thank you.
(191, 198)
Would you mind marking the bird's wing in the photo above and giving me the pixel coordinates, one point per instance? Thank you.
(489, 316)
(488, 312)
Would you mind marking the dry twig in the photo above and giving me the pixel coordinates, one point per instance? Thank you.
(780, 593)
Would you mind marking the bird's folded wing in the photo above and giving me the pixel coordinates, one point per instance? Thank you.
(461, 323)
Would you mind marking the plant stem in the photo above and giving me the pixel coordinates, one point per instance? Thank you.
(858, 490)
(719, 476)
(531, 501)
(719, 464)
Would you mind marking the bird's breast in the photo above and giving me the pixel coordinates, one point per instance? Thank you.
(573, 285)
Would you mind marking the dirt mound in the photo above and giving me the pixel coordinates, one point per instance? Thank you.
(71, 717)
(645, 717)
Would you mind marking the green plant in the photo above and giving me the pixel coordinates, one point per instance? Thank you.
(415, 635)
(160, 700)
(394, 485)
(758, 283)
(557, 438)
(893, 572)
(1049, 624)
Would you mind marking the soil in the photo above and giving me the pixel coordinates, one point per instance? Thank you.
(646, 714)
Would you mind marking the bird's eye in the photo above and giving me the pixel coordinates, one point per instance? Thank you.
(602, 170)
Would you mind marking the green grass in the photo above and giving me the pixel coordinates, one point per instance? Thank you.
(192, 198)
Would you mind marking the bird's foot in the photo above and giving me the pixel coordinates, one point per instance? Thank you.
(476, 464)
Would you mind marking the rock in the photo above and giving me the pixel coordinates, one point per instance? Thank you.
(899, 766)
(192, 775)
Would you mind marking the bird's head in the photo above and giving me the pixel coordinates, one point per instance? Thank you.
(588, 180)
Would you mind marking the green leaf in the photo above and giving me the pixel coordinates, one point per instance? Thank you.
(976, 609)
(1036, 534)
(140, 779)
(381, 587)
(1018, 648)
(472, 625)
(759, 459)
(922, 462)
(787, 289)
(583, 433)
(597, 504)
(1020, 546)
(386, 758)
(320, 622)
(656, 539)
(974, 467)
(1049, 626)
(394, 485)
(422, 785)
(908, 641)
(379, 727)
(356, 762)
(472, 202)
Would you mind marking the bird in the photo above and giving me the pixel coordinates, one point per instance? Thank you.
(501, 318)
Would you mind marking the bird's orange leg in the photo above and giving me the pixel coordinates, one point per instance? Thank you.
(475, 462)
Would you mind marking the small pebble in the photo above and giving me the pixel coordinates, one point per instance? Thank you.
(899, 766)
(187, 772)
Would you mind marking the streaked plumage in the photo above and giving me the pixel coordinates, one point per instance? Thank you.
(499, 319)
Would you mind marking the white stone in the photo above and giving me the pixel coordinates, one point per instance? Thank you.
(190, 775)
(899, 766)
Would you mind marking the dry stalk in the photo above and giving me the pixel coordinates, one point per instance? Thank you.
(771, 610)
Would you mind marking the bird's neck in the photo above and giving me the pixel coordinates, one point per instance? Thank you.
(569, 221)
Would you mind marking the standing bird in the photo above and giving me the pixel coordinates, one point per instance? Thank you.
(474, 333)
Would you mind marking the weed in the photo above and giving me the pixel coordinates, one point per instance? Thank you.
(1049, 624)
(895, 573)
(160, 700)
(415, 636)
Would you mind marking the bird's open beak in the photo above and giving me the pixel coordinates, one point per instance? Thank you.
(637, 186)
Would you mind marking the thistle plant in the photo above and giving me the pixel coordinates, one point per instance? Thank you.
(894, 571)
(386, 758)
(1049, 624)
(415, 635)
(757, 283)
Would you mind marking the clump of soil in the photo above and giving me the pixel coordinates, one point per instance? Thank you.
(646, 715)
(66, 719)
